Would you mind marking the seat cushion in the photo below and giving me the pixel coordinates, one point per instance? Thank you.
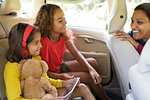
(124, 56)
(4, 43)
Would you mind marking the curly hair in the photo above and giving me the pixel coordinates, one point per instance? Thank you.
(45, 17)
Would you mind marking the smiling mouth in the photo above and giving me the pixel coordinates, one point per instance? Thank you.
(134, 31)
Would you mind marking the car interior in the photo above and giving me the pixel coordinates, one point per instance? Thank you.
(139, 77)
(122, 58)
(119, 62)
(8, 18)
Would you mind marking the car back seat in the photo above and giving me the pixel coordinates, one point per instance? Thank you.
(8, 18)
(2, 65)
(123, 53)
(139, 76)
(3, 49)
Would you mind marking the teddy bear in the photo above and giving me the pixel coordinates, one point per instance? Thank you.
(34, 86)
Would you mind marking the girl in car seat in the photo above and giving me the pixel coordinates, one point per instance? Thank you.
(55, 38)
(24, 43)
(140, 24)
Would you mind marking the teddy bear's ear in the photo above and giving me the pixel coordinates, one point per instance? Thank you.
(44, 66)
(20, 65)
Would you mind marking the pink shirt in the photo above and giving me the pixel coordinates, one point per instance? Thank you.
(139, 48)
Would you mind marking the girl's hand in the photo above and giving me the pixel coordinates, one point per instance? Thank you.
(68, 83)
(95, 76)
(65, 76)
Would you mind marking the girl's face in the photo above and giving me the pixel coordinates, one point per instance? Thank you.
(140, 25)
(35, 45)
(59, 23)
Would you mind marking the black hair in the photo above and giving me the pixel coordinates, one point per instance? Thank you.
(15, 38)
(144, 7)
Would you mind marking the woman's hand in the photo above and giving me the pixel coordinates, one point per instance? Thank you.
(95, 76)
(124, 36)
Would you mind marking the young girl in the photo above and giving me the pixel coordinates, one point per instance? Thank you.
(24, 43)
(55, 38)
(140, 25)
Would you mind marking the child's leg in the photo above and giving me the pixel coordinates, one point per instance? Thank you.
(82, 91)
(74, 63)
(79, 71)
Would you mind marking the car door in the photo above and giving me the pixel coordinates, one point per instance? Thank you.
(91, 43)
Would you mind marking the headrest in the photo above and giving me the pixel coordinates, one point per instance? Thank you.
(118, 16)
(10, 6)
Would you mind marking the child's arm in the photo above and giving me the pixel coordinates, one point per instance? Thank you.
(63, 76)
(57, 83)
(80, 58)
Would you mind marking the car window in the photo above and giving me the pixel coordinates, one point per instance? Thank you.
(89, 13)
(26, 6)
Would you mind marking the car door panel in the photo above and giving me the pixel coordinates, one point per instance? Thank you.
(91, 43)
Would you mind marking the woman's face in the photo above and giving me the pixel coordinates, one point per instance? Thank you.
(140, 25)
(35, 45)
(59, 22)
